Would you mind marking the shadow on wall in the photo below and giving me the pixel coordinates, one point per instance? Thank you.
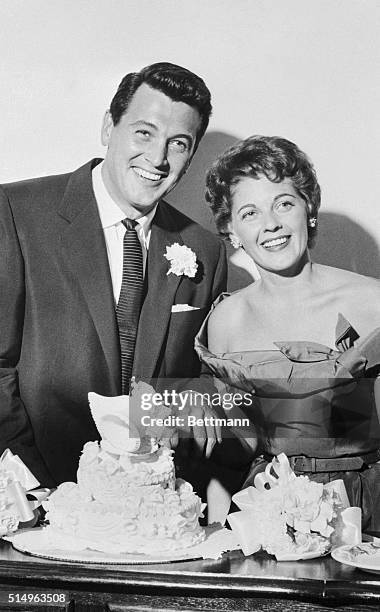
(340, 242)
(189, 196)
(343, 243)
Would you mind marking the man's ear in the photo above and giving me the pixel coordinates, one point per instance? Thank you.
(107, 128)
(188, 164)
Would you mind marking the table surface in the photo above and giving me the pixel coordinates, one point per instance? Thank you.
(232, 575)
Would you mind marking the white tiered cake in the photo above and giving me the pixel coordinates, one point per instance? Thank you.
(126, 502)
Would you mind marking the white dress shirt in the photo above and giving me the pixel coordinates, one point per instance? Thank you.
(111, 217)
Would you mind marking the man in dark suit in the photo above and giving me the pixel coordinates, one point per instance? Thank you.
(61, 271)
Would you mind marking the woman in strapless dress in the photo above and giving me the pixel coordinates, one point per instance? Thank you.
(304, 339)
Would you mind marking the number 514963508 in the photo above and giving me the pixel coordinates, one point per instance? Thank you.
(36, 598)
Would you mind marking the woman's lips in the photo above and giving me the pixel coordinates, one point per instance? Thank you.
(275, 243)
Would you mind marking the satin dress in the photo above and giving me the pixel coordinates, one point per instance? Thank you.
(311, 400)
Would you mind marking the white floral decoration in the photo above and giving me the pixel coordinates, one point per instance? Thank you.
(9, 515)
(294, 516)
(183, 260)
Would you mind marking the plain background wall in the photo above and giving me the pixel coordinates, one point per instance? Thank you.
(308, 70)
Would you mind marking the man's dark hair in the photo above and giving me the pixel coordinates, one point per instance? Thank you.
(176, 82)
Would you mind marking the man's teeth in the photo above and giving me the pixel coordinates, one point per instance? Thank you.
(275, 242)
(147, 175)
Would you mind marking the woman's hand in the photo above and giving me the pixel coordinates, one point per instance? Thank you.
(202, 424)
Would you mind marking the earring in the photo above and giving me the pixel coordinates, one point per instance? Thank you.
(235, 242)
(312, 221)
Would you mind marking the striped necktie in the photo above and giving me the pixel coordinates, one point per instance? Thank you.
(129, 304)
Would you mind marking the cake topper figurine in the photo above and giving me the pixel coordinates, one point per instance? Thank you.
(112, 419)
(126, 425)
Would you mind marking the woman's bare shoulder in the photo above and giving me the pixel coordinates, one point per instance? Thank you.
(225, 317)
(358, 296)
(346, 280)
(358, 286)
(227, 306)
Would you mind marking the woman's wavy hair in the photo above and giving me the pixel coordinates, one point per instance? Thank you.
(257, 156)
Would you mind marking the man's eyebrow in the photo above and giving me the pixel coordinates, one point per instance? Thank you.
(144, 123)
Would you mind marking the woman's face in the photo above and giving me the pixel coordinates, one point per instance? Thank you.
(270, 220)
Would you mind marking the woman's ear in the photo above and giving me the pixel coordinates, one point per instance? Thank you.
(233, 238)
(309, 210)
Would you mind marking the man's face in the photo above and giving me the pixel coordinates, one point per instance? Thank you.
(148, 150)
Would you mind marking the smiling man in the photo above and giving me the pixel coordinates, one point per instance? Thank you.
(88, 297)
(149, 148)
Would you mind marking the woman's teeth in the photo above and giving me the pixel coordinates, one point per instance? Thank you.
(275, 242)
(147, 175)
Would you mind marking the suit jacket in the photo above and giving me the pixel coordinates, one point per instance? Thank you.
(58, 330)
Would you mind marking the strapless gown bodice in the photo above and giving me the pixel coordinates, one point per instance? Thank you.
(310, 399)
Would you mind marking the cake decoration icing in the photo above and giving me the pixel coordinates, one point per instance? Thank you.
(126, 498)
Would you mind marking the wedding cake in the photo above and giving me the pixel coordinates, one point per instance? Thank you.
(126, 499)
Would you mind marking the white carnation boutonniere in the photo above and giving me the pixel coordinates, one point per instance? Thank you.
(183, 260)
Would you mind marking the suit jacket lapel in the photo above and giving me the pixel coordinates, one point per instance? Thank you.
(84, 246)
(161, 289)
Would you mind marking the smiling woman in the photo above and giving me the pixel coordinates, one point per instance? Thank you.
(270, 219)
(305, 337)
